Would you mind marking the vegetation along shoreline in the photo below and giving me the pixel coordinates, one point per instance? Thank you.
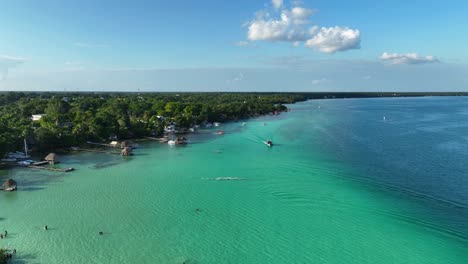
(50, 121)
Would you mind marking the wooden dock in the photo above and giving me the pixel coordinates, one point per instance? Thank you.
(40, 163)
(49, 168)
(162, 139)
(102, 144)
(98, 151)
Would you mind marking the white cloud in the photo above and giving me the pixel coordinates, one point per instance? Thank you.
(408, 58)
(291, 25)
(277, 3)
(298, 15)
(333, 39)
(284, 29)
(8, 62)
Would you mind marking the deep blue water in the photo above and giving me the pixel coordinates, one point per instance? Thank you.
(415, 148)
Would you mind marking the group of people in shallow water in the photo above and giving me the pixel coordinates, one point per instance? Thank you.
(10, 255)
(7, 255)
(4, 234)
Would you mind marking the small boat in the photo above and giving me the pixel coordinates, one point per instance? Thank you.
(10, 189)
(269, 143)
(9, 159)
(25, 162)
(216, 124)
(177, 141)
(220, 132)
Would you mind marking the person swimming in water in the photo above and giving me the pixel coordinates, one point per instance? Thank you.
(101, 233)
(46, 228)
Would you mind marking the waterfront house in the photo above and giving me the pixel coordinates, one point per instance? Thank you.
(37, 117)
(114, 144)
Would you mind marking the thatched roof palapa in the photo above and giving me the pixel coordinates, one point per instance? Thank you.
(9, 183)
(51, 157)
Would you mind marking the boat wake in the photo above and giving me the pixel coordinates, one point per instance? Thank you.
(225, 179)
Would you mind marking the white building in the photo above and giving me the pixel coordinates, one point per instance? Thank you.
(37, 117)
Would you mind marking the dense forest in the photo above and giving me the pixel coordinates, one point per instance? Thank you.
(71, 119)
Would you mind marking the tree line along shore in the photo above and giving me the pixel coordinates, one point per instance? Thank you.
(53, 120)
(50, 121)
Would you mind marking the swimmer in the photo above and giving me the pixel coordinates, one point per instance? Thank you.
(101, 233)
(45, 227)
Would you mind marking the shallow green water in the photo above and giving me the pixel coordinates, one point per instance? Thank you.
(309, 199)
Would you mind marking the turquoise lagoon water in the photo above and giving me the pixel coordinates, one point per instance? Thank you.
(343, 184)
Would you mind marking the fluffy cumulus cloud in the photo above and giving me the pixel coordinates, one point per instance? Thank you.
(333, 39)
(8, 62)
(408, 58)
(293, 25)
(288, 27)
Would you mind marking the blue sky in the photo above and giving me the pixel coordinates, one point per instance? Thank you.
(270, 45)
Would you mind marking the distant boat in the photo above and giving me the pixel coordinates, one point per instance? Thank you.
(9, 185)
(220, 132)
(177, 141)
(25, 162)
(269, 143)
(384, 118)
(14, 156)
(8, 159)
